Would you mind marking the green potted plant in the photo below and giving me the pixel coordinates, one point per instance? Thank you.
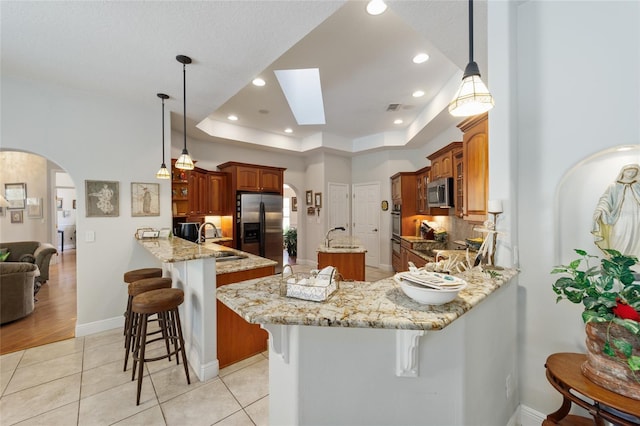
(610, 295)
(291, 242)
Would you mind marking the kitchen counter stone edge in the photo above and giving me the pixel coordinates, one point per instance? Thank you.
(380, 304)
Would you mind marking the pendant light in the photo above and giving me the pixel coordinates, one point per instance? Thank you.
(163, 173)
(184, 161)
(472, 97)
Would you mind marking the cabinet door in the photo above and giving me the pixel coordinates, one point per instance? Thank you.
(270, 180)
(436, 169)
(216, 201)
(476, 165)
(396, 189)
(446, 165)
(194, 192)
(248, 179)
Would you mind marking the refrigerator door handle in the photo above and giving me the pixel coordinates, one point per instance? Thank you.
(262, 228)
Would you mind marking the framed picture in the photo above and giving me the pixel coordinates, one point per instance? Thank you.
(294, 204)
(102, 198)
(309, 198)
(15, 194)
(59, 203)
(34, 208)
(145, 199)
(2, 211)
(318, 200)
(16, 216)
(74, 204)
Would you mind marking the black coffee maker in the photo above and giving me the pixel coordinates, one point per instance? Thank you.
(187, 231)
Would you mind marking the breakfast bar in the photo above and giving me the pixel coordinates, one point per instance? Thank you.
(194, 269)
(371, 355)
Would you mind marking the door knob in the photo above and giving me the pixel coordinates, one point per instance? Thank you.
(375, 229)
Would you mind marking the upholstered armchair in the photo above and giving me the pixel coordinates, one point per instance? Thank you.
(33, 252)
(16, 290)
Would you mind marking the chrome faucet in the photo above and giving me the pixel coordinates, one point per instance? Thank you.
(200, 239)
(327, 241)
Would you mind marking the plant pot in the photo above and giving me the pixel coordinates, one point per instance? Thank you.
(611, 373)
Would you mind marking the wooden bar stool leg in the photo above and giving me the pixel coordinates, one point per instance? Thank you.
(143, 344)
(181, 340)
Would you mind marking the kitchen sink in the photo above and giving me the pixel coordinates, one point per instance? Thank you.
(222, 256)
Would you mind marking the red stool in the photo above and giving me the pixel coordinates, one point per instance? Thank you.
(136, 288)
(163, 302)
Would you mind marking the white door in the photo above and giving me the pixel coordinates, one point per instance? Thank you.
(366, 219)
(338, 205)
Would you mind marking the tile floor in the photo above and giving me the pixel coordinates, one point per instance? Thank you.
(80, 382)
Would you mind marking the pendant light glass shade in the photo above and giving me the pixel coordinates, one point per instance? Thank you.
(472, 97)
(163, 173)
(184, 161)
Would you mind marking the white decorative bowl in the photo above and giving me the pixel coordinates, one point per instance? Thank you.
(428, 296)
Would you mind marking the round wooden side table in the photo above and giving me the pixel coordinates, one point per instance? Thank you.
(565, 375)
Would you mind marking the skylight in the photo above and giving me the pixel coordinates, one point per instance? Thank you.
(303, 91)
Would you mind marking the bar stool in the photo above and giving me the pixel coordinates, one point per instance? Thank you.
(163, 302)
(135, 275)
(136, 288)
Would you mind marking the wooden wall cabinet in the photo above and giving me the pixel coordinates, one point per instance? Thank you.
(458, 182)
(254, 178)
(198, 192)
(442, 161)
(422, 180)
(475, 146)
(404, 186)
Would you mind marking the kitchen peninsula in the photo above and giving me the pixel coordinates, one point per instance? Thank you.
(370, 355)
(195, 269)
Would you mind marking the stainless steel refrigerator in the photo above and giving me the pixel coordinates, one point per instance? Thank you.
(259, 225)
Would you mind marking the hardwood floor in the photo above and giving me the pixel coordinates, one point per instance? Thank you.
(54, 316)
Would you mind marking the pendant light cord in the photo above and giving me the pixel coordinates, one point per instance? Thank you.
(184, 102)
(470, 31)
(163, 163)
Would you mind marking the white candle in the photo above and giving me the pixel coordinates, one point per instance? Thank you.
(495, 206)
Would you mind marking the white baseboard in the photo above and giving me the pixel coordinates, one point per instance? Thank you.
(530, 417)
(99, 326)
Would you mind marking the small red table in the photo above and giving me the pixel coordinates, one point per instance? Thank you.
(565, 374)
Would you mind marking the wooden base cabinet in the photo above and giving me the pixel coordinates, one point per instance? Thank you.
(237, 339)
(350, 265)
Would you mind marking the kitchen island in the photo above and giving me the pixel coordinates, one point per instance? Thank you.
(347, 257)
(194, 269)
(370, 355)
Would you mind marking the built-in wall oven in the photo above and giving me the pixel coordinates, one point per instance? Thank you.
(396, 223)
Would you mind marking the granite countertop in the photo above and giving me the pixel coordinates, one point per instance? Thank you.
(176, 249)
(341, 249)
(381, 304)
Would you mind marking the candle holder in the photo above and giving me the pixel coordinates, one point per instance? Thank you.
(495, 208)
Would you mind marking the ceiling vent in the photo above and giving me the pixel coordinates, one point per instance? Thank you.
(393, 107)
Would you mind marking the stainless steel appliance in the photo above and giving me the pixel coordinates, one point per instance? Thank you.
(440, 193)
(395, 246)
(396, 223)
(259, 225)
(188, 231)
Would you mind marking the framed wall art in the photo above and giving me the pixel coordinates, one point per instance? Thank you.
(145, 199)
(16, 216)
(309, 195)
(294, 204)
(102, 198)
(34, 207)
(3, 210)
(15, 194)
(59, 203)
(318, 203)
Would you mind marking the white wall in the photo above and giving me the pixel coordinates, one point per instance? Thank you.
(578, 93)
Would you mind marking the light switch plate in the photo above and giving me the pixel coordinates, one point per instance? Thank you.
(90, 236)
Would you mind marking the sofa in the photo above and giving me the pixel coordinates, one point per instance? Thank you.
(16, 290)
(31, 252)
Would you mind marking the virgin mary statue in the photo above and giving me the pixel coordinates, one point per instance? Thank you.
(616, 221)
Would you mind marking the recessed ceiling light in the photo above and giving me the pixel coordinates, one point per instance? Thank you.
(258, 82)
(376, 7)
(397, 121)
(288, 130)
(420, 58)
(233, 117)
(418, 94)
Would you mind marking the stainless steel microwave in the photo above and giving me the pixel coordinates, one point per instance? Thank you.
(440, 193)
